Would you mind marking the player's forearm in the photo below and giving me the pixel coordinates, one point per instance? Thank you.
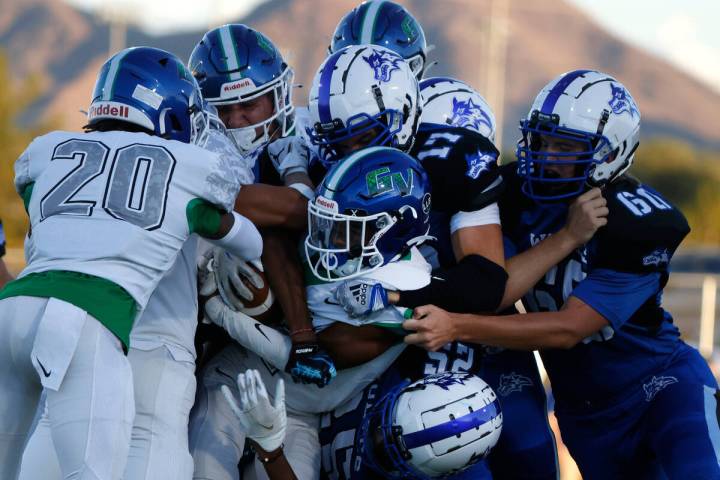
(284, 274)
(350, 345)
(238, 236)
(527, 268)
(531, 331)
(276, 464)
(272, 206)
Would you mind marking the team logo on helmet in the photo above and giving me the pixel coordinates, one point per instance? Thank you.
(512, 382)
(384, 64)
(468, 114)
(621, 101)
(446, 379)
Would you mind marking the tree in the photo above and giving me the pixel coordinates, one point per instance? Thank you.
(14, 99)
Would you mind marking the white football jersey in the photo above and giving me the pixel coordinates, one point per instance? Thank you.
(114, 204)
(170, 317)
(409, 273)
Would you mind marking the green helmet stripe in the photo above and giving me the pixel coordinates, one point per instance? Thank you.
(334, 180)
(231, 56)
(368, 26)
(109, 83)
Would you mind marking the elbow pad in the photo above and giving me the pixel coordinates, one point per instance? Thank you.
(474, 285)
(243, 240)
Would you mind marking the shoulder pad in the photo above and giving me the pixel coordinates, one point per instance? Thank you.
(462, 166)
(643, 229)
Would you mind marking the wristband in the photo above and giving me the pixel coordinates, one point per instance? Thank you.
(304, 190)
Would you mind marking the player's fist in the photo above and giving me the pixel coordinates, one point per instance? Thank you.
(361, 297)
(586, 214)
(289, 155)
(309, 363)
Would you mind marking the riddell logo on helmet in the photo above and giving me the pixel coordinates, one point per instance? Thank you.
(245, 82)
(109, 110)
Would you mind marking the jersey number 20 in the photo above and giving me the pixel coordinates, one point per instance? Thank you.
(136, 189)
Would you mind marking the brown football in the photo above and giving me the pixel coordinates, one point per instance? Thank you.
(262, 307)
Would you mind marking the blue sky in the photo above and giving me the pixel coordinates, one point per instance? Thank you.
(685, 32)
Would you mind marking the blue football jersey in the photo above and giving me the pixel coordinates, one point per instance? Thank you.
(620, 273)
(464, 175)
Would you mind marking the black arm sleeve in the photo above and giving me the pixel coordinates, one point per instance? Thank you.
(474, 285)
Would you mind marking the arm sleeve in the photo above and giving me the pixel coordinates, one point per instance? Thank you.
(475, 284)
(617, 295)
(243, 239)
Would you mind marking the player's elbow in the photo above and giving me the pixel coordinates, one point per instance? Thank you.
(570, 334)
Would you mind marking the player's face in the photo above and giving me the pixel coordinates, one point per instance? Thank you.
(352, 144)
(250, 112)
(563, 146)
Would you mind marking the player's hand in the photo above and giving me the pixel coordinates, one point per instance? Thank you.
(586, 214)
(433, 327)
(289, 155)
(206, 277)
(229, 272)
(308, 363)
(261, 421)
(360, 298)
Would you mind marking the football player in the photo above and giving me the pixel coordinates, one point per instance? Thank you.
(101, 242)
(370, 213)
(243, 75)
(631, 398)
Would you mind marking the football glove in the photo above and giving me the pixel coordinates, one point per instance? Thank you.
(229, 272)
(289, 155)
(261, 421)
(361, 297)
(308, 363)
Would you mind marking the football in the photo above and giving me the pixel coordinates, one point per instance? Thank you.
(262, 306)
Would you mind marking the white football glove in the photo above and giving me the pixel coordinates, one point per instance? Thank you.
(228, 272)
(261, 421)
(289, 155)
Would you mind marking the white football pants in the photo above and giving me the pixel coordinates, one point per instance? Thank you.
(88, 387)
(164, 394)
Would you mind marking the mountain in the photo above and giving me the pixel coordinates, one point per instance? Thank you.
(64, 48)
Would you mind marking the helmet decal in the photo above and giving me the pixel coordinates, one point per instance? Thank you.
(383, 181)
(621, 101)
(469, 114)
(383, 63)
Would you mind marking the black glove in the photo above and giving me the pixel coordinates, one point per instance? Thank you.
(309, 363)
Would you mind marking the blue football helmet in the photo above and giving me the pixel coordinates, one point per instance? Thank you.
(384, 23)
(583, 121)
(432, 428)
(370, 209)
(235, 64)
(151, 88)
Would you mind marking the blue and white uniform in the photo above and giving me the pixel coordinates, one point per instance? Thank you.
(633, 399)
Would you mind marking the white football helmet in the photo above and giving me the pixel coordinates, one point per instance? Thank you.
(583, 106)
(361, 89)
(432, 428)
(447, 101)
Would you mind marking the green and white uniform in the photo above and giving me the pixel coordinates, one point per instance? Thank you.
(109, 212)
